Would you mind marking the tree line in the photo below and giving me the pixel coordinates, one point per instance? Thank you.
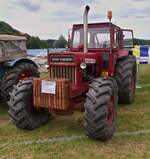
(37, 43)
(32, 41)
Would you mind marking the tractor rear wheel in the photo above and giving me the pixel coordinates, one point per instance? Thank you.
(126, 79)
(101, 109)
(21, 110)
(12, 77)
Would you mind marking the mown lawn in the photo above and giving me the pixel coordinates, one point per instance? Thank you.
(18, 144)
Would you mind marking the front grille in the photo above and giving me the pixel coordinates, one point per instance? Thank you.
(67, 72)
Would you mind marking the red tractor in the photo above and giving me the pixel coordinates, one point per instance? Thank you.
(99, 70)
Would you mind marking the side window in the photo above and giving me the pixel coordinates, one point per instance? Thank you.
(117, 39)
(69, 34)
(69, 37)
(116, 44)
(76, 39)
(127, 39)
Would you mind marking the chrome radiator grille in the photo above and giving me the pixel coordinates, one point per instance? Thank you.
(67, 72)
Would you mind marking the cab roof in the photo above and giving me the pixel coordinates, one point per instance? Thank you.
(12, 38)
(105, 24)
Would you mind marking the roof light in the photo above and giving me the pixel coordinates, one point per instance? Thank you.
(109, 15)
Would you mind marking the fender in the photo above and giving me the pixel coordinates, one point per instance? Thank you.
(14, 62)
(123, 53)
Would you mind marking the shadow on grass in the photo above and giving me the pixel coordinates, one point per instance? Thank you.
(3, 109)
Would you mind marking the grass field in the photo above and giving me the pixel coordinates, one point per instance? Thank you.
(63, 137)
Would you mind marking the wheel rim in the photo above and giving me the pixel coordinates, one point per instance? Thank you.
(24, 75)
(110, 111)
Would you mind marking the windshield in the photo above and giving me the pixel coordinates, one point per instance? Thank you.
(97, 37)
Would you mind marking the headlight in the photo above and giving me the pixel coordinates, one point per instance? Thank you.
(46, 66)
(83, 65)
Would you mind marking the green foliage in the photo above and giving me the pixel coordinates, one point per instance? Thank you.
(33, 42)
(141, 42)
(60, 43)
(7, 29)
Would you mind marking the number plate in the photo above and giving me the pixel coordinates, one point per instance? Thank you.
(48, 87)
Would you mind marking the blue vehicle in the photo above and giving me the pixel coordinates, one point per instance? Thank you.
(14, 64)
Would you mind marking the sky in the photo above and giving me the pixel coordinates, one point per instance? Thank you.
(50, 18)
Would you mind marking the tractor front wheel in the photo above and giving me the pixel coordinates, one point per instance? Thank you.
(101, 109)
(21, 110)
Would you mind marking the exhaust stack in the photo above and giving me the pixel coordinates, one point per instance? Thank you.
(85, 22)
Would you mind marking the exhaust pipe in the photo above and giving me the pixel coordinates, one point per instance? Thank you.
(85, 22)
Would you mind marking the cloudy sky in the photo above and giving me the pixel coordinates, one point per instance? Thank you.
(50, 18)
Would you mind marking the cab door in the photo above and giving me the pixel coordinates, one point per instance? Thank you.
(128, 38)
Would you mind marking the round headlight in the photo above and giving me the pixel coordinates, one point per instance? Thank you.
(83, 65)
(46, 66)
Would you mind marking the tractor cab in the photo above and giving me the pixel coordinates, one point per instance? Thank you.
(101, 36)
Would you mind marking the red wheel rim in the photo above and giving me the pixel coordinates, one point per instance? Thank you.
(110, 111)
(24, 75)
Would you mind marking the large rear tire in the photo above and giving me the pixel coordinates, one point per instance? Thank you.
(126, 79)
(101, 109)
(21, 110)
(12, 77)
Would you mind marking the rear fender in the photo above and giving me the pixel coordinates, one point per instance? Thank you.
(123, 53)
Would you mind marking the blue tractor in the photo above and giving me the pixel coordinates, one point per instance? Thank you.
(14, 64)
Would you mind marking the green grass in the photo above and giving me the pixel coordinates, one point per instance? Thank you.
(131, 118)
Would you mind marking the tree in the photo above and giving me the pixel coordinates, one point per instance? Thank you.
(33, 42)
(60, 43)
